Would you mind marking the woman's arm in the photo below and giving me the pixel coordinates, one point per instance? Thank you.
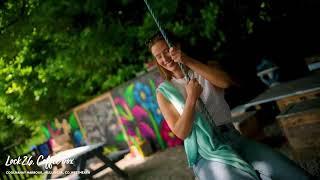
(213, 74)
(181, 125)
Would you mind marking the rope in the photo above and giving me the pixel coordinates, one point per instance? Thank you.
(203, 108)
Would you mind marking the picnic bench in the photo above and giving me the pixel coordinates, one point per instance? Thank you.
(249, 121)
(84, 153)
(289, 92)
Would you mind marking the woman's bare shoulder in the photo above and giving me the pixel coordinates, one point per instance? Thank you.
(161, 98)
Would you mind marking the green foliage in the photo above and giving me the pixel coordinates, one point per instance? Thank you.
(12, 10)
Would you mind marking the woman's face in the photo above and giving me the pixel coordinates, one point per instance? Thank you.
(160, 51)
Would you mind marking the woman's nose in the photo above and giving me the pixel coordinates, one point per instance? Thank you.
(165, 57)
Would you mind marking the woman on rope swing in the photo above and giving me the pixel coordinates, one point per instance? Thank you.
(235, 157)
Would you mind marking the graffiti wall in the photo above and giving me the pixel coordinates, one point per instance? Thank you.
(127, 116)
(139, 113)
(100, 124)
(63, 133)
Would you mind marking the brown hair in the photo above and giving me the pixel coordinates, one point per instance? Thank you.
(165, 74)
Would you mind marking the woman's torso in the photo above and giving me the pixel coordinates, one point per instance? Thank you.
(212, 97)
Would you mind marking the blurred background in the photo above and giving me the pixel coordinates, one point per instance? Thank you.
(77, 72)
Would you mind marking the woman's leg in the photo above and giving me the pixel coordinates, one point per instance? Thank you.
(211, 170)
(268, 162)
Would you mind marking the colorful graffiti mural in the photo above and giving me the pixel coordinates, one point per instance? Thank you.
(139, 113)
(63, 133)
(126, 116)
(168, 135)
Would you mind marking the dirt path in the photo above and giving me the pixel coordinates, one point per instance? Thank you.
(166, 165)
